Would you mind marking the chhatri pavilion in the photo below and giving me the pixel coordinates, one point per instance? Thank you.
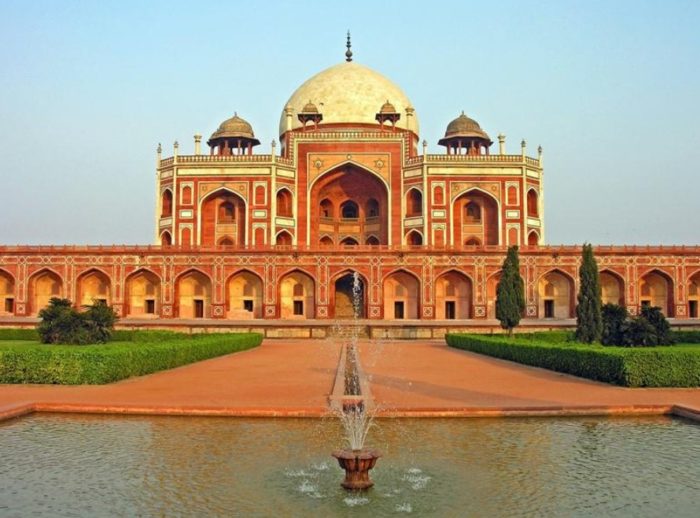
(272, 240)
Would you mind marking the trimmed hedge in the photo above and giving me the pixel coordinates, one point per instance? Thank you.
(19, 334)
(147, 352)
(669, 366)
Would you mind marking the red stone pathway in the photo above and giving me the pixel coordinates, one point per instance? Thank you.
(295, 377)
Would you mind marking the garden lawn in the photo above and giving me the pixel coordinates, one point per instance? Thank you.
(133, 354)
(666, 366)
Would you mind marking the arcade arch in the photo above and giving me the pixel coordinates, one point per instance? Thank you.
(453, 296)
(193, 295)
(142, 294)
(244, 296)
(556, 295)
(296, 296)
(401, 296)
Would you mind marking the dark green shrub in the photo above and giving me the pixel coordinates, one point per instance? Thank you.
(614, 318)
(98, 364)
(633, 367)
(657, 320)
(61, 323)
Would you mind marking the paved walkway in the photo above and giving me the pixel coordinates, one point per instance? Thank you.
(295, 377)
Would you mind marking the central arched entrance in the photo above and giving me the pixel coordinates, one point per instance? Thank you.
(347, 300)
(349, 203)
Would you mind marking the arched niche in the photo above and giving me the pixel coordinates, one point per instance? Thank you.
(694, 296)
(244, 296)
(401, 296)
(142, 295)
(93, 286)
(612, 288)
(476, 216)
(453, 296)
(193, 295)
(349, 302)
(656, 289)
(532, 204)
(284, 203)
(7, 293)
(43, 286)
(556, 295)
(223, 214)
(296, 296)
(166, 204)
(414, 203)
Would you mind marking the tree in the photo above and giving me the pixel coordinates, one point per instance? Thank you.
(510, 292)
(589, 325)
(61, 323)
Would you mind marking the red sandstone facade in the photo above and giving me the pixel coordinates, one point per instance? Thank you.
(246, 236)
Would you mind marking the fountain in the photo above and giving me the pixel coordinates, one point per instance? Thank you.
(351, 401)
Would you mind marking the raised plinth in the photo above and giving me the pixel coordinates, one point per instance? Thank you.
(357, 464)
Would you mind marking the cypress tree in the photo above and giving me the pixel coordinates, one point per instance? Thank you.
(510, 292)
(589, 321)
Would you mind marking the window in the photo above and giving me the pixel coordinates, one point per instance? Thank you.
(438, 195)
(548, 309)
(227, 212)
(414, 203)
(9, 305)
(398, 310)
(167, 204)
(512, 197)
(187, 195)
(298, 307)
(150, 306)
(372, 208)
(472, 213)
(349, 210)
(248, 305)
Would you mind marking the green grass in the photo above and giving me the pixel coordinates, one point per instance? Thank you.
(667, 366)
(134, 353)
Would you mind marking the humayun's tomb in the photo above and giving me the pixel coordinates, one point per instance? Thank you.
(270, 241)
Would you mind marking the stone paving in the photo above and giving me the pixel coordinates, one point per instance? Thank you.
(295, 377)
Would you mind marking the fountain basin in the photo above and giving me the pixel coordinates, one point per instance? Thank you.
(357, 464)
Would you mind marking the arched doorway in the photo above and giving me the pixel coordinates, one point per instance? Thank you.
(193, 297)
(142, 295)
(297, 296)
(223, 216)
(166, 239)
(349, 300)
(43, 286)
(93, 286)
(556, 291)
(414, 238)
(612, 289)
(284, 238)
(533, 239)
(349, 201)
(401, 296)
(453, 296)
(476, 218)
(656, 289)
(7, 293)
(245, 296)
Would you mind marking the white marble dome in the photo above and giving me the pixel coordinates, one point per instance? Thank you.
(349, 93)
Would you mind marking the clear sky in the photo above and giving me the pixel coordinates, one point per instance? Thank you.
(610, 89)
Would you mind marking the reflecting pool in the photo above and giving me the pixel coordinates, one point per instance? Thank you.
(72, 465)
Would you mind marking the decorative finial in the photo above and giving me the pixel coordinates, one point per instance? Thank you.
(523, 143)
(539, 149)
(159, 150)
(348, 53)
(273, 143)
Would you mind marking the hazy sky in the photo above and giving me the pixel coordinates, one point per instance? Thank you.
(610, 89)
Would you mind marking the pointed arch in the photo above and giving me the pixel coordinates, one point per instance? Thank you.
(533, 238)
(166, 239)
(487, 228)
(7, 293)
(215, 219)
(44, 284)
(533, 209)
(284, 199)
(193, 290)
(244, 295)
(656, 289)
(166, 203)
(349, 241)
(372, 240)
(453, 295)
(612, 287)
(401, 290)
(694, 294)
(414, 202)
(283, 238)
(491, 293)
(414, 238)
(297, 295)
(342, 295)
(93, 285)
(556, 294)
(142, 294)
(326, 241)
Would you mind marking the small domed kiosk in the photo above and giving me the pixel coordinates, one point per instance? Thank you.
(464, 136)
(234, 137)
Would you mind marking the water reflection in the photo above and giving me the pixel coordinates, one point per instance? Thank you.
(56, 465)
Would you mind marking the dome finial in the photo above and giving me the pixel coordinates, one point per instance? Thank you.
(348, 53)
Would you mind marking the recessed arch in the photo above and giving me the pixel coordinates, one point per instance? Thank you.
(656, 289)
(166, 239)
(533, 210)
(7, 293)
(296, 295)
(472, 241)
(556, 291)
(222, 212)
(283, 238)
(93, 285)
(533, 238)
(43, 286)
(694, 295)
(193, 294)
(142, 294)
(343, 302)
(401, 290)
(285, 207)
(372, 240)
(166, 203)
(349, 241)
(491, 291)
(244, 295)
(326, 241)
(612, 287)
(414, 238)
(453, 296)
(414, 202)
(476, 213)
